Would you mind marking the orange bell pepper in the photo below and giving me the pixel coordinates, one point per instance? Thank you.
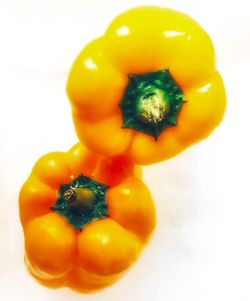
(85, 218)
(148, 86)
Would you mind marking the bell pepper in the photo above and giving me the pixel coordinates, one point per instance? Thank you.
(85, 218)
(148, 86)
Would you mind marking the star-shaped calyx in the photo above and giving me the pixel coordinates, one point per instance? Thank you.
(151, 102)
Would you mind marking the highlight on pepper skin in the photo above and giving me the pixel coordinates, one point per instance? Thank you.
(149, 85)
(85, 218)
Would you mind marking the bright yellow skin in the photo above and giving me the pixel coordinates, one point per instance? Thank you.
(142, 40)
(57, 254)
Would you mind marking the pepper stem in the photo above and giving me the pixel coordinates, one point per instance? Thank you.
(152, 107)
(151, 102)
(81, 199)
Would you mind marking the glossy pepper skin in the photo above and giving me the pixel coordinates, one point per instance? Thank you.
(137, 42)
(59, 255)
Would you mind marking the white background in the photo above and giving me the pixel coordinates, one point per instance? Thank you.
(201, 247)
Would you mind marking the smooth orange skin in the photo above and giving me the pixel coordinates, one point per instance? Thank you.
(58, 255)
(141, 40)
(50, 244)
(106, 248)
(130, 204)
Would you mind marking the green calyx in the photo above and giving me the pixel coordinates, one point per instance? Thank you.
(81, 201)
(151, 102)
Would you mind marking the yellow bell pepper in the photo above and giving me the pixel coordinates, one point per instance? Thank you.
(85, 218)
(148, 88)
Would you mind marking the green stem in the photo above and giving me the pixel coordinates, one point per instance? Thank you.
(81, 201)
(151, 102)
(153, 106)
